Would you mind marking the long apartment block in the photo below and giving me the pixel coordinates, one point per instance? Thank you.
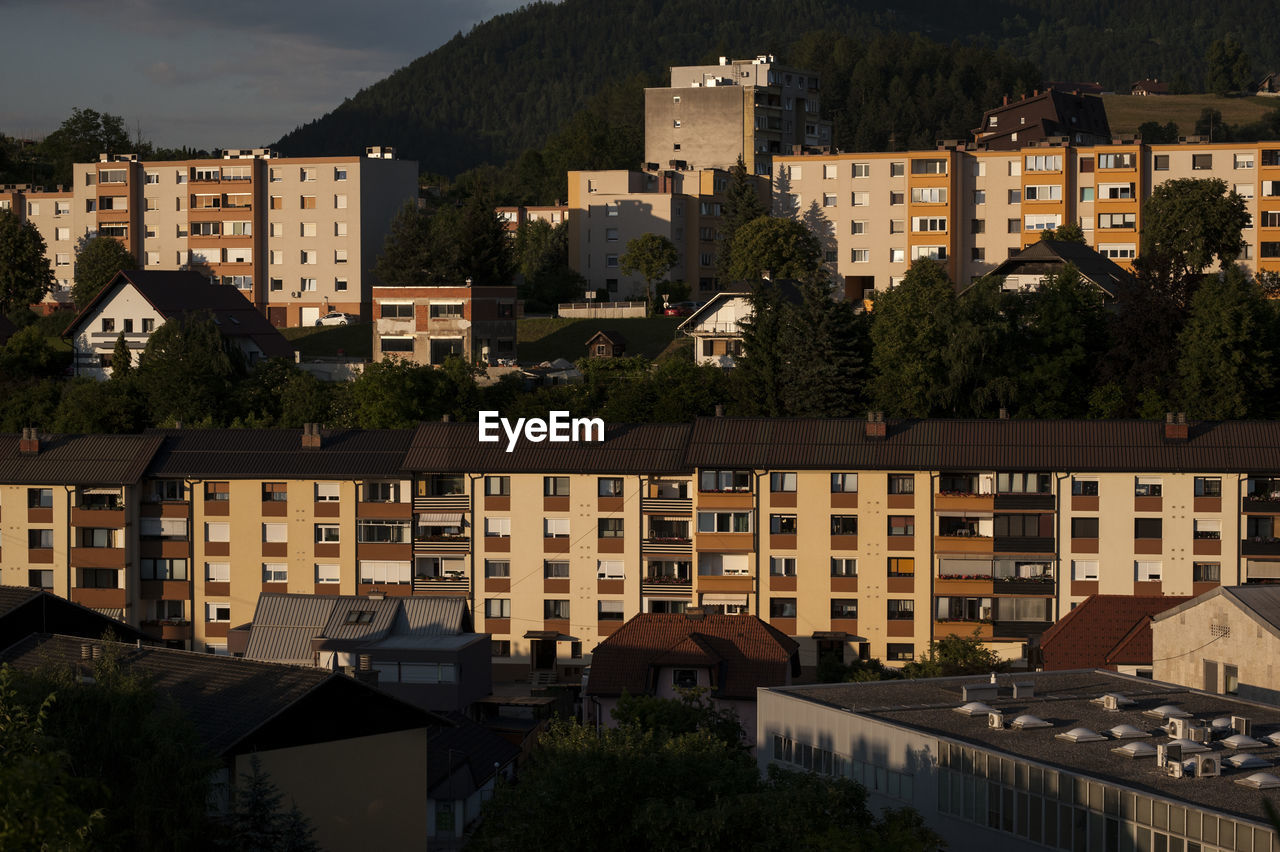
(971, 207)
(862, 538)
(298, 236)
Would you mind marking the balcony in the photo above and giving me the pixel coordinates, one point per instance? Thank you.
(99, 598)
(97, 517)
(442, 544)
(963, 544)
(666, 505)
(384, 511)
(1019, 629)
(666, 546)
(446, 503)
(963, 629)
(664, 584)
(1023, 544)
(449, 586)
(1023, 501)
(726, 500)
(1260, 547)
(1043, 587)
(726, 542)
(168, 509)
(963, 501)
(963, 586)
(1261, 505)
(383, 550)
(720, 583)
(97, 557)
(165, 590)
(168, 631)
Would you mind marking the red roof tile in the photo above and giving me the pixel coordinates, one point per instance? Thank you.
(1103, 632)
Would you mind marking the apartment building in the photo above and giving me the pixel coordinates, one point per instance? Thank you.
(971, 207)
(711, 115)
(513, 217)
(608, 209)
(428, 324)
(50, 211)
(297, 236)
(862, 538)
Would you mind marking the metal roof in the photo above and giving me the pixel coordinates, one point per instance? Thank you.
(77, 459)
(261, 453)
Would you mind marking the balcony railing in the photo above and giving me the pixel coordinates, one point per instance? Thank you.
(666, 505)
(441, 585)
(1260, 547)
(1024, 544)
(447, 503)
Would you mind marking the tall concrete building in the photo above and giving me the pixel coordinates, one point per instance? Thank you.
(298, 236)
(751, 108)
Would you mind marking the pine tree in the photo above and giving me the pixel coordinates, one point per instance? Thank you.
(759, 375)
(257, 823)
(121, 359)
(742, 204)
(825, 349)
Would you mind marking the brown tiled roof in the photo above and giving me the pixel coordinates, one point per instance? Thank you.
(640, 449)
(746, 652)
(77, 459)
(259, 453)
(1104, 631)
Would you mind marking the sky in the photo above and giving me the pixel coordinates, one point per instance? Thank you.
(232, 74)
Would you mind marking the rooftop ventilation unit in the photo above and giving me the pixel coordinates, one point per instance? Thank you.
(1246, 761)
(1220, 724)
(1026, 720)
(975, 708)
(1175, 769)
(1260, 781)
(1135, 750)
(1207, 766)
(1200, 734)
(1080, 735)
(1242, 725)
(995, 719)
(1167, 753)
(976, 691)
(1180, 729)
(1240, 742)
(1166, 711)
(1126, 732)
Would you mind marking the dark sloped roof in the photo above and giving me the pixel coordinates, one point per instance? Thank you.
(1104, 631)
(12, 597)
(1048, 256)
(466, 747)
(258, 453)
(1001, 445)
(24, 611)
(226, 698)
(77, 459)
(176, 292)
(612, 335)
(456, 448)
(788, 288)
(746, 651)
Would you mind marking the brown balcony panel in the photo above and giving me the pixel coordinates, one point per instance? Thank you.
(555, 585)
(725, 584)
(848, 625)
(901, 585)
(844, 584)
(901, 542)
(1083, 588)
(1255, 506)
(216, 629)
(498, 626)
(497, 503)
(391, 590)
(1084, 502)
(555, 545)
(328, 589)
(559, 625)
(898, 627)
(217, 548)
(497, 544)
(844, 542)
(782, 541)
(328, 550)
(963, 629)
(844, 500)
(610, 504)
(786, 625)
(1207, 547)
(326, 509)
(901, 501)
(1148, 504)
(666, 547)
(1025, 586)
(217, 590)
(97, 557)
(1148, 545)
(963, 502)
(99, 598)
(166, 631)
(781, 584)
(276, 549)
(1084, 545)
(152, 548)
(1149, 588)
(1207, 505)
(275, 588)
(1023, 544)
(782, 499)
(497, 584)
(610, 545)
(963, 544)
(555, 504)
(1023, 502)
(97, 517)
(165, 590)
(734, 542)
(725, 500)
(443, 503)
(39, 516)
(217, 508)
(946, 586)
(384, 550)
(610, 587)
(606, 628)
(40, 555)
(385, 511)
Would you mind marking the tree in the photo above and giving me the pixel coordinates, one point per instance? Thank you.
(825, 351)
(98, 260)
(742, 204)
(760, 369)
(409, 254)
(910, 327)
(955, 655)
(1227, 68)
(481, 244)
(187, 371)
(651, 256)
(1071, 232)
(121, 358)
(257, 821)
(782, 248)
(1154, 133)
(80, 138)
(1187, 225)
(693, 712)
(1062, 339)
(25, 275)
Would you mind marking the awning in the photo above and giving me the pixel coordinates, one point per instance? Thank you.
(552, 635)
(113, 492)
(451, 519)
(1256, 569)
(736, 600)
(110, 612)
(837, 636)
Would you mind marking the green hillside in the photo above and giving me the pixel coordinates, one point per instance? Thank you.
(1126, 112)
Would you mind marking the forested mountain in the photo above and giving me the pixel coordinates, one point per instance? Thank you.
(512, 82)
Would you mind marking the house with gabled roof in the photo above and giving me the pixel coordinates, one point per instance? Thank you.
(1103, 632)
(137, 302)
(1027, 269)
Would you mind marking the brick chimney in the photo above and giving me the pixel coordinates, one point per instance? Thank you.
(29, 443)
(311, 439)
(875, 424)
(1175, 426)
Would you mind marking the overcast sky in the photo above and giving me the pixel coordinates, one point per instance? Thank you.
(232, 74)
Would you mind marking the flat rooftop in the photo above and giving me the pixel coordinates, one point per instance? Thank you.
(1066, 700)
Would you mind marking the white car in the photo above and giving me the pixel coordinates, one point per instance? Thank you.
(337, 318)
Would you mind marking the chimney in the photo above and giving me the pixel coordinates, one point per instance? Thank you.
(446, 418)
(1006, 101)
(875, 424)
(29, 444)
(1004, 413)
(1175, 426)
(311, 439)
(719, 410)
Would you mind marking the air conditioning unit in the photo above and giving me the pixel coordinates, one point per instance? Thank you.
(1175, 769)
(1208, 766)
(1162, 755)
(1242, 725)
(995, 719)
(1200, 734)
(296, 294)
(1110, 702)
(1180, 729)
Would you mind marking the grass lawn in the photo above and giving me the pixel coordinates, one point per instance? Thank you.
(351, 341)
(1126, 112)
(541, 339)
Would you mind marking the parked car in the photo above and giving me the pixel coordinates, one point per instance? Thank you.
(337, 318)
(680, 309)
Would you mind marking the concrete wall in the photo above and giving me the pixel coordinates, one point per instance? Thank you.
(1230, 637)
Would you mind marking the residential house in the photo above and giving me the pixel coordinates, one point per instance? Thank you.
(1149, 87)
(606, 343)
(1103, 632)
(465, 762)
(1053, 113)
(1028, 268)
(716, 327)
(431, 323)
(136, 302)
(26, 610)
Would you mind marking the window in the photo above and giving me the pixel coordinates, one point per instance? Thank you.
(928, 167)
(1160, 163)
(724, 480)
(859, 256)
(1117, 220)
(445, 310)
(897, 169)
(1044, 163)
(497, 486)
(40, 539)
(828, 199)
(861, 170)
(1023, 483)
(275, 533)
(275, 572)
(1115, 161)
(327, 533)
(1021, 526)
(782, 524)
(555, 569)
(166, 528)
(782, 607)
(897, 255)
(724, 522)
(1201, 162)
(1084, 527)
(500, 648)
(844, 608)
(979, 196)
(902, 566)
(1205, 572)
(382, 492)
(1148, 486)
(900, 652)
(555, 527)
(497, 568)
(326, 573)
(782, 482)
(609, 487)
(555, 610)
(926, 195)
(1244, 190)
(497, 527)
(896, 199)
(377, 572)
(861, 199)
(928, 223)
(217, 611)
(1015, 196)
(610, 611)
(929, 252)
(844, 483)
(217, 532)
(607, 527)
(844, 524)
(497, 608)
(1014, 226)
(555, 486)
(40, 578)
(1115, 191)
(381, 532)
(902, 483)
(901, 610)
(1043, 222)
(274, 492)
(780, 566)
(1084, 569)
(1147, 572)
(1044, 192)
(1207, 529)
(1208, 486)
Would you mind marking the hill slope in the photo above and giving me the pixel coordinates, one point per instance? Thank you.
(511, 82)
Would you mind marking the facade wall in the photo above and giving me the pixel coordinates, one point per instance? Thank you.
(126, 313)
(478, 321)
(1238, 656)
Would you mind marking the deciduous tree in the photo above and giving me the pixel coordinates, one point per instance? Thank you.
(98, 259)
(1187, 225)
(651, 256)
(781, 247)
(910, 329)
(955, 655)
(25, 275)
(188, 369)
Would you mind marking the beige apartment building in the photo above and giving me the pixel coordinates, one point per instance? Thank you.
(711, 115)
(970, 207)
(297, 236)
